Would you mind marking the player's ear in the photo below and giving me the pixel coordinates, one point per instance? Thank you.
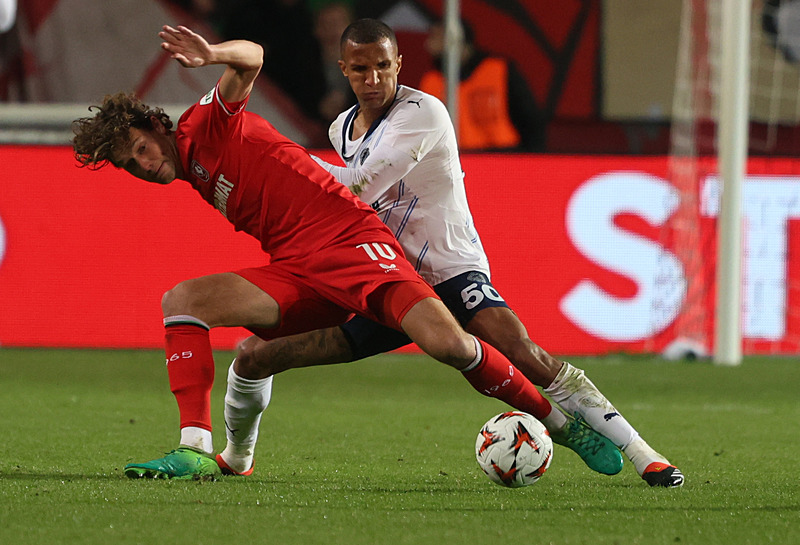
(342, 67)
(399, 63)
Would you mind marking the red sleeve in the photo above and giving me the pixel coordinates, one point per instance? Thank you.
(231, 108)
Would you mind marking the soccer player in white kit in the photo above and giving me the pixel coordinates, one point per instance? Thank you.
(401, 157)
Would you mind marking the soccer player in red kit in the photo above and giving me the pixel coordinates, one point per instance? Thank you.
(331, 256)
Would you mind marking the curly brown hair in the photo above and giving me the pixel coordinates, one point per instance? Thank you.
(97, 137)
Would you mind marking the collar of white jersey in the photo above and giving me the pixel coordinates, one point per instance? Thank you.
(352, 115)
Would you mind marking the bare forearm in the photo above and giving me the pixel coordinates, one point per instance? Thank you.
(241, 55)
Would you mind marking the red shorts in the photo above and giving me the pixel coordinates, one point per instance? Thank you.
(325, 289)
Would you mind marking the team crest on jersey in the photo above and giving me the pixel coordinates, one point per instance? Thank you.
(363, 156)
(208, 98)
(199, 171)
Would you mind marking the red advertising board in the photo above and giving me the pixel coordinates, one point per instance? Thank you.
(577, 246)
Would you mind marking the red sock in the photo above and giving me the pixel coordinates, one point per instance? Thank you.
(497, 377)
(190, 365)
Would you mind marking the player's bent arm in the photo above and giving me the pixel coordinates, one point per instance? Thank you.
(373, 177)
(408, 138)
(243, 59)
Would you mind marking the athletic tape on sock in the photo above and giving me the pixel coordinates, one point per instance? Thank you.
(184, 319)
(478, 356)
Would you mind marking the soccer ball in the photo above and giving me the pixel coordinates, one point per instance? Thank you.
(514, 449)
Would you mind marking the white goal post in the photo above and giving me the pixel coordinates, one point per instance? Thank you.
(737, 107)
(732, 155)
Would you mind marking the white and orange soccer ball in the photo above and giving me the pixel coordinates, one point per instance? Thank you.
(514, 449)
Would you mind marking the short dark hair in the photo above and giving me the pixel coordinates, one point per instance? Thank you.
(97, 137)
(367, 31)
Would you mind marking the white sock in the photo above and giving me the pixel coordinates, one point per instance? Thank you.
(577, 394)
(642, 455)
(198, 438)
(555, 421)
(245, 401)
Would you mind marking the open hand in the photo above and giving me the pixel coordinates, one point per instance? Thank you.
(187, 47)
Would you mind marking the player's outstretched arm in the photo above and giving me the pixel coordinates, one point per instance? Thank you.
(243, 58)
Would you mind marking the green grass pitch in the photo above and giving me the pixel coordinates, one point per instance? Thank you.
(381, 451)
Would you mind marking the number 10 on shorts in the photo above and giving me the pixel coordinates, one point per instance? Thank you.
(375, 249)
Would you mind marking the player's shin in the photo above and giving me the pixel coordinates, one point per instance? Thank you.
(245, 401)
(494, 376)
(190, 366)
(575, 393)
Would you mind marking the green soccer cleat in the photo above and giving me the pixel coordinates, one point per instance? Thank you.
(596, 450)
(181, 463)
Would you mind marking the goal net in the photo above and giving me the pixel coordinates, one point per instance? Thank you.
(771, 190)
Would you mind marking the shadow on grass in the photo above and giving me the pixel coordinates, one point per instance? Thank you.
(69, 477)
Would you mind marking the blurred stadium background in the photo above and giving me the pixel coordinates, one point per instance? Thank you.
(604, 242)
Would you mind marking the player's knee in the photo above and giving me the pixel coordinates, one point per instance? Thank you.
(455, 350)
(180, 300)
(171, 301)
(247, 363)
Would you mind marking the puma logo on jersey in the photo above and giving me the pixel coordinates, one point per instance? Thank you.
(415, 102)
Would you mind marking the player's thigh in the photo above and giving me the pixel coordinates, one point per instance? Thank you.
(354, 340)
(367, 338)
(257, 358)
(224, 299)
(436, 331)
(483, 312)
(498, 326)
(467, 294)
(301, 307)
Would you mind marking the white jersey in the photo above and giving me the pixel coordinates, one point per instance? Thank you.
(406, 166)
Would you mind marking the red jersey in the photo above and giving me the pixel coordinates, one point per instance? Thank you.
(263, 183)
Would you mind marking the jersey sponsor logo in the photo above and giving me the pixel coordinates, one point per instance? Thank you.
(207, 98)
(199, 171)
(363, 156)
(415, 102)
(221, 194)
